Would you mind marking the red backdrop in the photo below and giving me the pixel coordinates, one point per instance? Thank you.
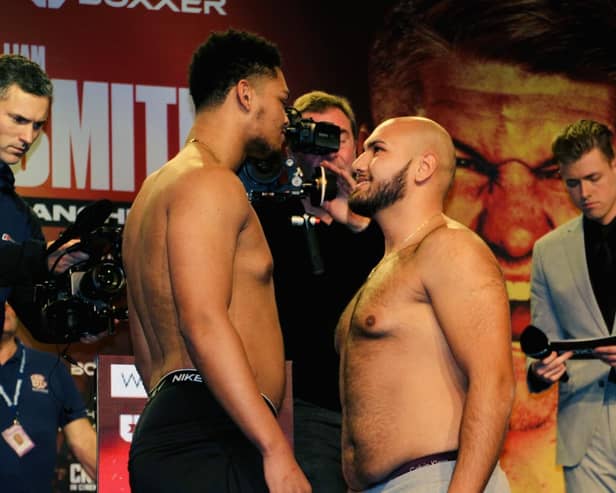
(121, 109)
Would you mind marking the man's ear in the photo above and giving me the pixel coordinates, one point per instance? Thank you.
(363, 134)
(244, 94)
(426, 167)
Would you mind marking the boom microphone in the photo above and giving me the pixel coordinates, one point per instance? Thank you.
(89, 218)
(535, 344)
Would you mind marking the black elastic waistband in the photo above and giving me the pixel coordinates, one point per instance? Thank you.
(176, 376)
(190, 375)
(426, 460)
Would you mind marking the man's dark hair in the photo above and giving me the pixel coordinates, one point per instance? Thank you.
(29, 76)
(542, 36)
(224, 59)
(581, 137)
(320, 101)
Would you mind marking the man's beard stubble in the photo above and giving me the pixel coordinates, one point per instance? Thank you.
(259, 148)
(368, 204)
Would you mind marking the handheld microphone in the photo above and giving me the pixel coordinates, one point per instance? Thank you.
(535, 344)
(89, 218)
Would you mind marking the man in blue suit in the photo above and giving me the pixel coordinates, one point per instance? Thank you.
(573, 296)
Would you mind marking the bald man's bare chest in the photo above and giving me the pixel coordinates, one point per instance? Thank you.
(391, 300)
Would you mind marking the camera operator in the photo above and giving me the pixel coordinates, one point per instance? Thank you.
(38, 395)
(25, 99)
(310, 303)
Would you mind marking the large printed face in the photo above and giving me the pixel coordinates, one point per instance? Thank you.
(22, 116)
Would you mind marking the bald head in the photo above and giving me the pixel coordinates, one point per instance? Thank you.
(405, 160)
(419, 136)
(425, 135)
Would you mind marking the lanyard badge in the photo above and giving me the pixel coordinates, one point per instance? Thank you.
(18, 439)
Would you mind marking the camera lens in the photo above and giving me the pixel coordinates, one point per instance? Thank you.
(266, 170)
(103, 280)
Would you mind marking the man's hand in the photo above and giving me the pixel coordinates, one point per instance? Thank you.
(607, 354)
(60, 260)
(282, 473)
(552, 368)
(338, 207)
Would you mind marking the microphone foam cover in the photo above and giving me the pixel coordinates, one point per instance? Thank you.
(534, 342)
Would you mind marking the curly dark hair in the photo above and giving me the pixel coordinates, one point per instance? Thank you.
(226, 58)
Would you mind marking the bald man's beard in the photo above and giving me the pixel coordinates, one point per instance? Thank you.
(366, 203)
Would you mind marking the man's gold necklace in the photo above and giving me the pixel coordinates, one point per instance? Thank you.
(194, 140)
(403, 243)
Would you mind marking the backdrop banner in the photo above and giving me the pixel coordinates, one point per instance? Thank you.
(121, 109)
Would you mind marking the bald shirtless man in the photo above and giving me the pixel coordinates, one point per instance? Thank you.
(203, 319)
(426, 370)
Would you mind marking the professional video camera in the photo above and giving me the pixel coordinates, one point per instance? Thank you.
(86, 298)
(280, 177)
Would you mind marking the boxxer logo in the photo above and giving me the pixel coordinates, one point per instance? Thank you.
(48, 4)
(179, 6)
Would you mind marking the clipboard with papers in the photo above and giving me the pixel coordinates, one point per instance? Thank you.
(582, 348)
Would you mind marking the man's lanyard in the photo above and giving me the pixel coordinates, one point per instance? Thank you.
(15, 401)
